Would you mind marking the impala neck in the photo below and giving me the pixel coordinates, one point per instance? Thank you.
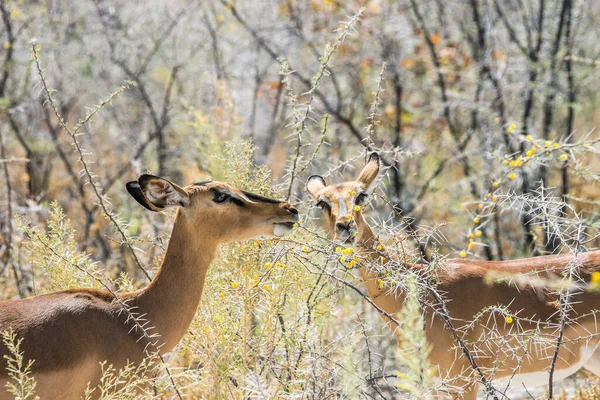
(170, 301)
(366, 244)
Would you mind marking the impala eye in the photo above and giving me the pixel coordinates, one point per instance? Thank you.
(361, 198)
(323, 205)
(220, 197)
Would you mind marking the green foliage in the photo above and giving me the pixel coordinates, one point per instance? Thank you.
(233, 162)
(413, 350)
(20, 384)
(55, 250)
(128, 383)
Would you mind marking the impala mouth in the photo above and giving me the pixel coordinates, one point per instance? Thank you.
(283, 228)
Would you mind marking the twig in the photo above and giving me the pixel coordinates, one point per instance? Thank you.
(74, 133)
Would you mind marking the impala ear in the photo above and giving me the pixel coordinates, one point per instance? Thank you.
(314, 185)
(156, 193)
(369, 172)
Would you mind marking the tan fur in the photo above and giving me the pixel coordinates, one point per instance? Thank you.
(69, 333)
(467, 289)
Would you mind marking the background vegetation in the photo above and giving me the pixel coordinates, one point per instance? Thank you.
(484, 113)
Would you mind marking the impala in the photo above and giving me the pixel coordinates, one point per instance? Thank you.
(467, 292)
(69, 333)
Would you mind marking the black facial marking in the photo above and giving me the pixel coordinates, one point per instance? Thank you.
(323, 205)
(360, 198)
(259, 198)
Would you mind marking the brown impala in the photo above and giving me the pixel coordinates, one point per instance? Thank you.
(466, 291)
(69, 333)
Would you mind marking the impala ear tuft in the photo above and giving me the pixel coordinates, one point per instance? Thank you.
(314, 184)
(156, 193)
(369, 172)
(135, 190)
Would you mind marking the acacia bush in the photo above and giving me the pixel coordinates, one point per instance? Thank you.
(483, 114)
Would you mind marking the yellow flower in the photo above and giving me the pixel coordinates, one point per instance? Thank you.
(304, 248)
(285, 266)
(496, 120)
(471, 245)
(350, 250)
(338, 249)
(555, 145)
(547, 143)
(563, 157)
(512, 175)
(353, 193)
(15, 12)
(234, 285)
(513, 163)
(266, 287)
(355, 233)
(471, 235)
(350, 264)
(463, 253)
(478, 233)
(357, 208)
(495, 198)
(278, 264)
(379, 247)
(509, 320)
(511, 128)
(267, 265)
(476, 220)
(528, 138)
(505, 162)
(534, 149)
(221, 295)
(343, 259)
(255, 277)
(6, 45)
(529, 153)
(393, 282)
(350, 192)
(383, 259)
(595, 277)
(495, 184)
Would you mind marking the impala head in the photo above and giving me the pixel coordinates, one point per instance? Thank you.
(338, 201)
(217, 209)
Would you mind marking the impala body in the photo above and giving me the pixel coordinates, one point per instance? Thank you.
(69, 333)
(466, 289)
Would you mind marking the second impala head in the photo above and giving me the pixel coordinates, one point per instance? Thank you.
(217, 209)
(341, 201)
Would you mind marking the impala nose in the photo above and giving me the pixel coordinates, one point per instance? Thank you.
(292, 210)
(342, 227)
